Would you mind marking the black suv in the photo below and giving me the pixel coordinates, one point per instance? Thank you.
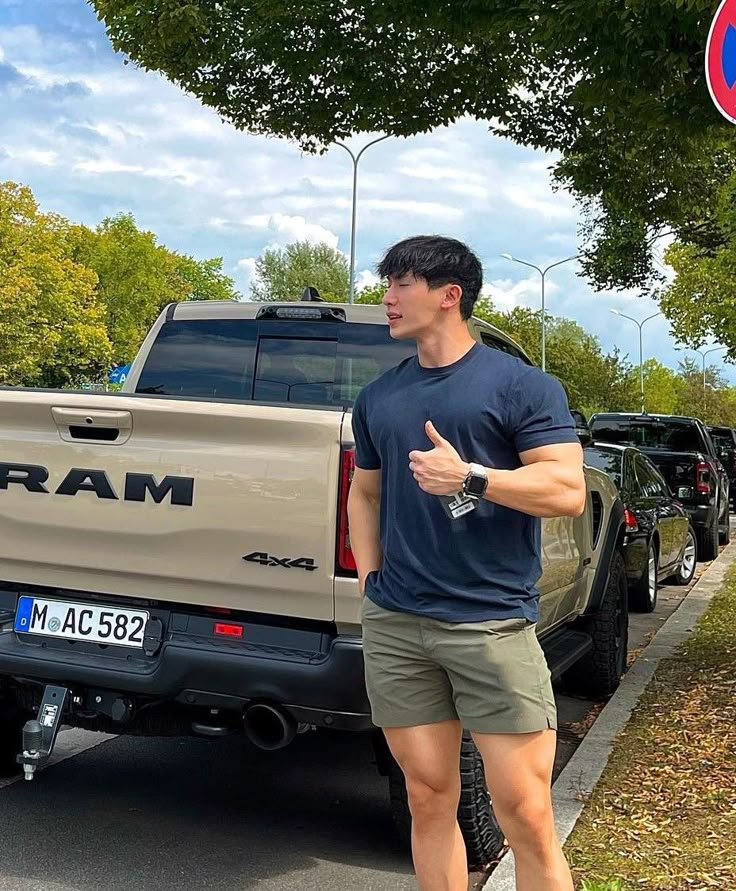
(686, 456)
(724, 439)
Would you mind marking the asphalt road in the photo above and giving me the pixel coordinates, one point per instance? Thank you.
(191, 814)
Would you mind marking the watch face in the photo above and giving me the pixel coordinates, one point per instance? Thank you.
(476, 485)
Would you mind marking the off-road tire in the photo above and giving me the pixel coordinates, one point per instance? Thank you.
(12, 720)
(483, 837)
(599, 672)
(708, 543)
(642, 599)
(678, 578)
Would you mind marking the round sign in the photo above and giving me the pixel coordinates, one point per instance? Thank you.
(720, 60)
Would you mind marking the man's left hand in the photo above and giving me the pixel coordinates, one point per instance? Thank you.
(441, 470)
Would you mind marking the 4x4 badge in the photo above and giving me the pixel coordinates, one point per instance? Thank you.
(264, 559)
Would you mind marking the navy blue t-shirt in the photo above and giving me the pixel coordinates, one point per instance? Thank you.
(490, 406)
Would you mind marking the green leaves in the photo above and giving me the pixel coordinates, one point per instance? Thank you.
(284, 273)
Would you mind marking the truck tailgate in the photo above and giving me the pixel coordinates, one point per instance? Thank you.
(265, 483)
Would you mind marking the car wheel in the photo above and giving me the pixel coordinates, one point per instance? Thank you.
(643, 594)
(689, 559)
(708, 543)
(483, 837)
(599, 672)
(724, 529)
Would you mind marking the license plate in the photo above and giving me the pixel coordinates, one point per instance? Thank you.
(81, 621)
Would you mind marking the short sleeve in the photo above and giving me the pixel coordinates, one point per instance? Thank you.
(366, 454)
(539, 413)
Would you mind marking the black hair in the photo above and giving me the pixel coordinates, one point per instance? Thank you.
(439, 261)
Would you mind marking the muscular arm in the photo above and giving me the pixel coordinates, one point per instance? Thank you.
(550, 484)
(364, 502)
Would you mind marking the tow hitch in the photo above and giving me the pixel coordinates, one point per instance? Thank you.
(39, 735)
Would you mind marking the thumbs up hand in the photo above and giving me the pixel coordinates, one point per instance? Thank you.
(441, 470)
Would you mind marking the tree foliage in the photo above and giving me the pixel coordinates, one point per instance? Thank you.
(617, 87)
(74, 301)
(284, 273)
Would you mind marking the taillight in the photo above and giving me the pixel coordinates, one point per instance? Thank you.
(702, 478)
(345, 558)
(225, 629)
(631, 522)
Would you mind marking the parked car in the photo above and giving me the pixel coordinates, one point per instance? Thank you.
(686, 456)
(660, 542)
(724, 439)
(175, 558)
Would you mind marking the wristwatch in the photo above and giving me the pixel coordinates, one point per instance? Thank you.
(476, 482)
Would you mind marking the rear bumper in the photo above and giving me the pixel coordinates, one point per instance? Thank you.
(317, 677)
(702, 516)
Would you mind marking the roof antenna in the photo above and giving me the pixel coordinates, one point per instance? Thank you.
(311, 294)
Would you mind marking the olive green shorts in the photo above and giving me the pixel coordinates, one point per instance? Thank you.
(492, 675)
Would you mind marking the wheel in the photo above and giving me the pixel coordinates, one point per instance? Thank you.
(687, 565)
(12, 720)
(708, 543)
(643, 594)
(724, 529)
(483, 837)
(599, 672)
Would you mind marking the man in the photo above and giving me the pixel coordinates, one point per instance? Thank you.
(450, 603)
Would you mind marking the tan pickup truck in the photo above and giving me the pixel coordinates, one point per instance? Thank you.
(175, 558)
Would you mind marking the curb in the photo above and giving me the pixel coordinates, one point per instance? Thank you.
(582, 772)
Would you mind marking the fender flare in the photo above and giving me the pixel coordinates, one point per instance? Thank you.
(614, 537)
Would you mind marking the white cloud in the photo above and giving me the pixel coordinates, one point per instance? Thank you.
(528, 196)
(285, 229)
(43, 158)
(366, 278)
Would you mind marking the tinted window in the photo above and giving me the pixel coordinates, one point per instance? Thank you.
(498, 344)
(650, 482)
(675, 436)
(308, 363)
(608, 462)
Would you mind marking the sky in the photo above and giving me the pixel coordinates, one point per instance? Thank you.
(94, 137)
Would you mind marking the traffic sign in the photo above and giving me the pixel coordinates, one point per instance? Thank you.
(720, 60)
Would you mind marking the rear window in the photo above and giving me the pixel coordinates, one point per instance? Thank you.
(723, 439)
(308, 363)
(675, 436)
(608, 462)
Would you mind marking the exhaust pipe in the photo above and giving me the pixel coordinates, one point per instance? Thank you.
(268, 726)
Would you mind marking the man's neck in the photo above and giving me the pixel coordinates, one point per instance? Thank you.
(439, 350)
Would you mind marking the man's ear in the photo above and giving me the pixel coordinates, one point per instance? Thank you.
(453, 295)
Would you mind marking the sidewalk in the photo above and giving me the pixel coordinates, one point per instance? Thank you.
(576, 784)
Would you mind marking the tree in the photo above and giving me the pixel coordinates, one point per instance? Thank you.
(52, 324)
(662, 387)
(137, 277)
(284, 273)
(617, 88)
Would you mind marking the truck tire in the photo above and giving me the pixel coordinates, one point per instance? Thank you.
(12, 720)
(599, 672)
(708, 542)
(483, 837)
(643, 594)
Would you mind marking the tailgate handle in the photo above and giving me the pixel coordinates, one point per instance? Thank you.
(76, 424)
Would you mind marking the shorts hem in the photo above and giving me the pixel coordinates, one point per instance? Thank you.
(512, 728)
(390, 722)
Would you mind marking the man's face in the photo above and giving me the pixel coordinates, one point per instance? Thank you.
(412, 306)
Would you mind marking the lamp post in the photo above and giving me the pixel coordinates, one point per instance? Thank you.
(641, 346)
(543, 272)
(703, 354)
(355, 159)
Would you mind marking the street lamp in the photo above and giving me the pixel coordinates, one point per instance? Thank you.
(356, 159)
(641, 346)
(543, 273)
(703, 354)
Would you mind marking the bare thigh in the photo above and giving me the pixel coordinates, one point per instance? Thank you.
(429, 756)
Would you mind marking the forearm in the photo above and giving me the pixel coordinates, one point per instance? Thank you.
(365, 538)
(542, 489)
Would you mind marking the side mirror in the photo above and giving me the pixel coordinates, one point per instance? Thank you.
(582, 429)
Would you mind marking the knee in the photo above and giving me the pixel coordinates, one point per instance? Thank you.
(527, 823)
(432, 800)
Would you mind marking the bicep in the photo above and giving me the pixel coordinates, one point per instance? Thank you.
(367, 483)
(567, 454)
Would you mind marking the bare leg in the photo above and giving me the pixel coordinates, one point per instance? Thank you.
(429, 756)
(519, 775)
